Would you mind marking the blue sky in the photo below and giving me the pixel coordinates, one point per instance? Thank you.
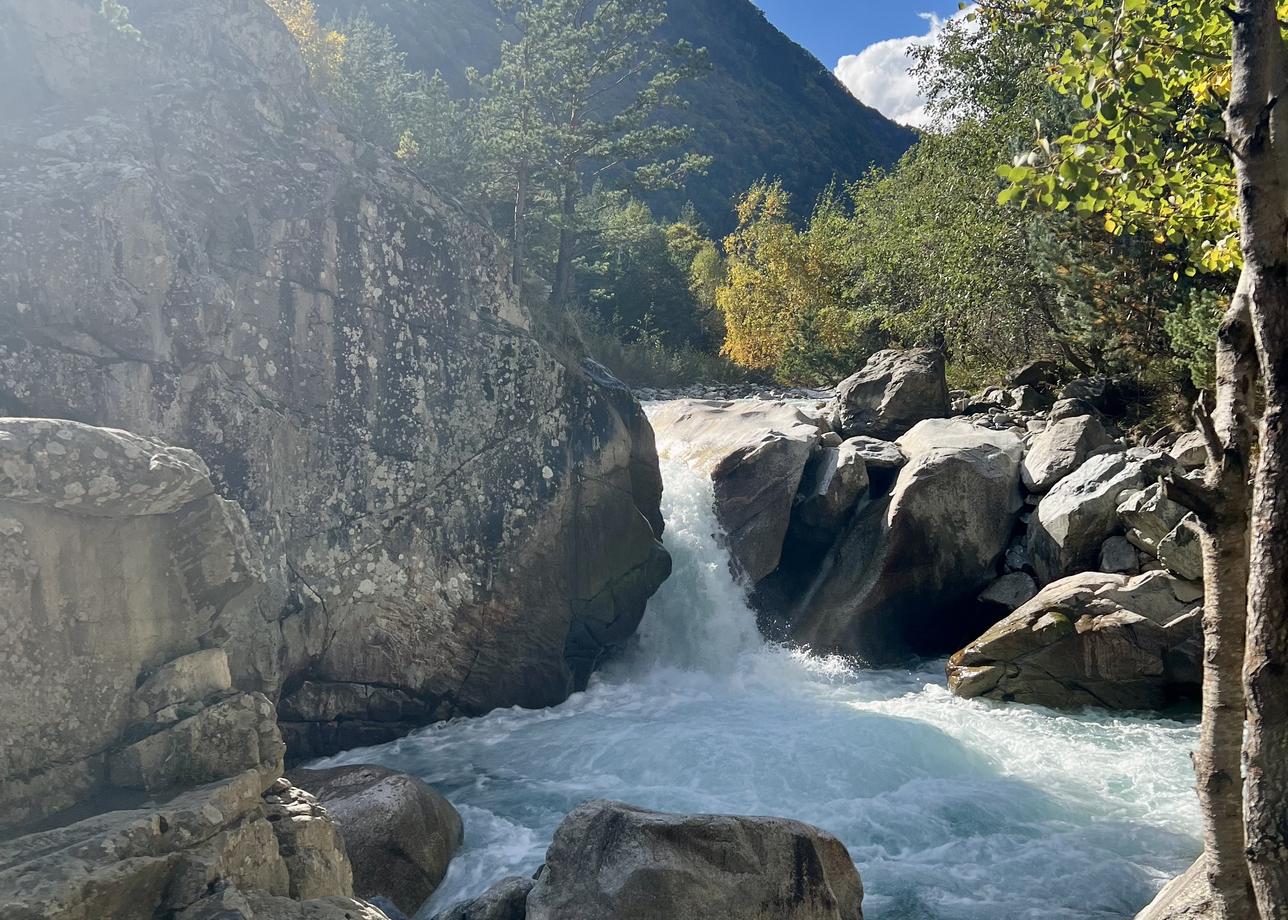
(832, 28)
(865, 41)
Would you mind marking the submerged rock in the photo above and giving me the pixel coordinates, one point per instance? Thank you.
(903, 575)
(894, 391)
(755, 453)
(451, 508)
(611, 861)
(399, 833)
(1090, 640)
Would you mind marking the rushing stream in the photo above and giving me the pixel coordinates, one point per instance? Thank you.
(951, 809)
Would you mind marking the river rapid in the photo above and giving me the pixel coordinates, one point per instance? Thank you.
(952, 809)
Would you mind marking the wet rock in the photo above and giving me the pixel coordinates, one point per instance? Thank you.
(835, 481)
(894, 391)
(610, 861)
(399, 833)
(1093, 639)
(1060, 449)
(1186, 897)
(755, 453)
(506, 900)
(902, 576)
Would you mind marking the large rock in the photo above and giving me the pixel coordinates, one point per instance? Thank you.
(116, 558)
(904, 574)
(191, 249)
(506, 900)
(155, 861)
(1060, 449)
(400, 834)
(1090, 640)
(1075, 518)
(835, 482)
(610, 861)
(755, 453)
(1186, 897)
(894, 391)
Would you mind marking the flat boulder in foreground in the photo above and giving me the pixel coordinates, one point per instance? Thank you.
(611, 861)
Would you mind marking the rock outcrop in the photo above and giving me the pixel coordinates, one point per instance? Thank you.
(610, 861)
(454, 516)
(905, 569)
(118, 563)
(1091, 640)
(276, 845)
(399, 833)
(894, 391)
(756, 453)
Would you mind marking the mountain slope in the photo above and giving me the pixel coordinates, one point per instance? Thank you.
(767, 108)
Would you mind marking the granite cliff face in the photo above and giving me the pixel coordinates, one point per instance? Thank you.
(453, 515)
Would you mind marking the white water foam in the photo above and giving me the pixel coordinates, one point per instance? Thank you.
(952, 809)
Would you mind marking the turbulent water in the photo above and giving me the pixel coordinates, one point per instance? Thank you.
(952, 809)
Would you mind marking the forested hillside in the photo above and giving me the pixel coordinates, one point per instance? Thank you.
(766, 108)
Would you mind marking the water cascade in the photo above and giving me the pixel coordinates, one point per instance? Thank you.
(952, 809)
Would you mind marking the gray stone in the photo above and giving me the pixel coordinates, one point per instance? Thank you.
(230, 903)
(1149, 517)
(149, 585)
(1060, 449)
(836, 479)
(399, 833)
(1035, 373)
(1189, 451)
(1010, 591)
(886, 590)
(1075, 518)
(878, 454)
(1181, 551)
(1118, 556)
(610, 861)
(309, 843)
(451, 506)
(755, 453)
(506, 900)
(1093, 639)
(1069, 408)
(894, 391)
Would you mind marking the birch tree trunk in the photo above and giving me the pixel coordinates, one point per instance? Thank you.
(1256, 123)
(1221, 503)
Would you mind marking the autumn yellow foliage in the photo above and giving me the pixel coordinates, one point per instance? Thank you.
(322, 49)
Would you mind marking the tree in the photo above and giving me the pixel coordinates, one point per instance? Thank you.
(574, 101)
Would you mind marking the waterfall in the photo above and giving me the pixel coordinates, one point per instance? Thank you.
(952, 809)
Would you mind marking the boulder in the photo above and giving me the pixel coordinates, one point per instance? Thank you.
(610, 861)
(1012, 590)
(1149, 517)
(1189, 451)
(1060, 449)
(836, 479)
(1080, 512)
(506, 900)
(1070, 408)
(904, 573)
(162, 566)
(451, 506)
(399, 833)
(230, 903)
(755, 453)
(894, 391)
(1036, 373)
(1090, 640)
(158, 860)
(1181, 551)
(877, 454)
(1186, 897)
(1119, 557)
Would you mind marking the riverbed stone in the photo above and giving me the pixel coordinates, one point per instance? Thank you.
(399, 833)
(890, 587)
(894, 391)
(611, 861)
(1060, 449)
(755, 453)
(1093, 639)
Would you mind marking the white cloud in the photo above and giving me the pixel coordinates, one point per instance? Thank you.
(879, 74)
